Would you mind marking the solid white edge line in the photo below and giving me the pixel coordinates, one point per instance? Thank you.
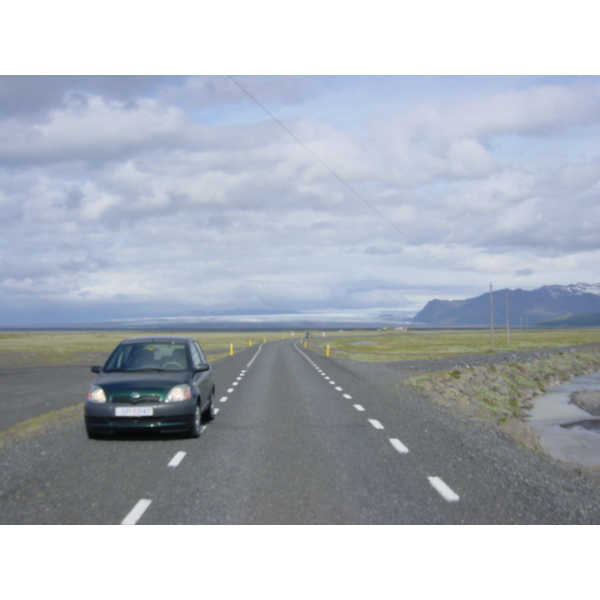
(136, 512)
(376, 423)
(445, 492)
(399, 445)
(177, 459)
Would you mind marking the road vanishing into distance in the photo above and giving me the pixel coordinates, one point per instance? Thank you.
(298, 439)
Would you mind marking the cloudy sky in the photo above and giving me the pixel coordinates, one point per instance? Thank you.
(155, 196)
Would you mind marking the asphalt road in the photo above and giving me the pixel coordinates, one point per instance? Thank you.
(298, 439)
(28, 392)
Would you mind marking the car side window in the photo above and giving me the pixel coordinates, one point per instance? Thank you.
(196, 358)
(202, 357)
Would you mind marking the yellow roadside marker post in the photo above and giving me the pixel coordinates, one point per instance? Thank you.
(250, 343)
(230, 349)
(327, 351)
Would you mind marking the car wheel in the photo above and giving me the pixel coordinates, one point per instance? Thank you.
(197, 426)
(209, 412)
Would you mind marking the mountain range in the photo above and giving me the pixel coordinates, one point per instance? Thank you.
(524, 307)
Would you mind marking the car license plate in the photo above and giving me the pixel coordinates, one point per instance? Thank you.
(133, 411)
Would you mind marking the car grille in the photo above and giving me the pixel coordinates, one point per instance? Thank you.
(130, 400)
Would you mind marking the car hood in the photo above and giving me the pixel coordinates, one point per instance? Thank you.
(145, 383)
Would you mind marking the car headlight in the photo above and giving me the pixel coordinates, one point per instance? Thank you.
(96, 394)
(179, 393)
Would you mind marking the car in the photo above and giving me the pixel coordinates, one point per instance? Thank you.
(161, 383)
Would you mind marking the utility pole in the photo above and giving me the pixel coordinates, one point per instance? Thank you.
(507, 321)
(492, 316)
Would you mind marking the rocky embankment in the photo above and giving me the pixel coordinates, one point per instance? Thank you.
(503, 391)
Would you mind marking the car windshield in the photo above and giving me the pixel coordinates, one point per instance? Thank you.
(148, 356)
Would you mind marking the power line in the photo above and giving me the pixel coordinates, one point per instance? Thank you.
(345, 182)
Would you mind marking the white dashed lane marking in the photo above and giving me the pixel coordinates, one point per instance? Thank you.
(359, 407)
(445, 492)
(399, 446)
(223, 399)
(375, 423)
(177, 459)
(136, 512)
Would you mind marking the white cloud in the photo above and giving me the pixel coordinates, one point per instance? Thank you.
(521, 218)
(577, 177)
(468, 158)
(90, 128)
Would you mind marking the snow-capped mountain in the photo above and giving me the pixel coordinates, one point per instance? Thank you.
(576, 289)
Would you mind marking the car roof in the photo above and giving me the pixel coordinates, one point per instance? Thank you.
(157, 338)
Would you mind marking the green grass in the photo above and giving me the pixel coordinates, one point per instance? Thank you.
(59, 347)
(585, 320)
(423, 344)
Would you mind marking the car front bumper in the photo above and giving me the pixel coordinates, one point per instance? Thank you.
(176, 416)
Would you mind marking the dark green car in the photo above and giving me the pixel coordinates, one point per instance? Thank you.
(151, 383)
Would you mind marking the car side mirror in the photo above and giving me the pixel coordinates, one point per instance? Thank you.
(96, 369)
(202, 368)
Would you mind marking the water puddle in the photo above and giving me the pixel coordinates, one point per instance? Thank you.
(568, 432)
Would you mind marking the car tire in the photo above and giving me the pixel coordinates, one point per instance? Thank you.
(196, 429)
(209, 412)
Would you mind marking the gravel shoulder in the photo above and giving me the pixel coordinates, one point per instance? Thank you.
(407, 368)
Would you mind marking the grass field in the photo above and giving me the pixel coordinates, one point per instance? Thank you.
(419, 344)
(58, 347)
